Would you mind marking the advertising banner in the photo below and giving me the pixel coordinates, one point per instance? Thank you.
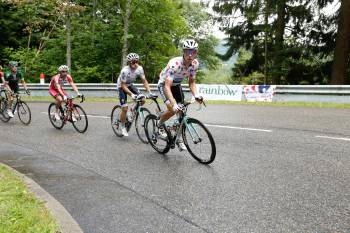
(263, 93)
(220, 92)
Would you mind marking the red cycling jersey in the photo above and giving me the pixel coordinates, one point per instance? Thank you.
(57, 79)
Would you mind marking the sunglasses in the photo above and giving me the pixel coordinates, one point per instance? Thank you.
(134, 62)
(191, 52)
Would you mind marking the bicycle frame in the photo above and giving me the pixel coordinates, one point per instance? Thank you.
(69, 107)
(138, 108)
(182, 119)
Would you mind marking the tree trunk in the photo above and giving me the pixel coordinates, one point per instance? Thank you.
(94, 3)
(341, 53)
(126, 32)
(69, 42)
(266, 22)
(279, 41)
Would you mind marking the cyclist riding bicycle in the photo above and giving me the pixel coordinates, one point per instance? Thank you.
(170, 79)
(10, 81)
(127, 77)
(56, 89)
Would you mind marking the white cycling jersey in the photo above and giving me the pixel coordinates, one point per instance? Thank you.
(129, 76)
(176, 71)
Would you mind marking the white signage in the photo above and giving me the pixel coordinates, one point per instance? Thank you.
(220, 92)
(263, 93)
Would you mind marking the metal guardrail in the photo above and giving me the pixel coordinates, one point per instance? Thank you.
(281, 89)
(314, 89)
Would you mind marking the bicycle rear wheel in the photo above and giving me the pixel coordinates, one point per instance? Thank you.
(158, 142)
(79, 119)
(140, 124)
(3, 110)
(199, 141)
(58, 124)
(23, 112)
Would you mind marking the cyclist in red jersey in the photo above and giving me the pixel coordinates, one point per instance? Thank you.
(56, 87)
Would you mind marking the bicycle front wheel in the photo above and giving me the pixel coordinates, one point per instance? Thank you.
(79, 119)
(140, 124)
(58, 124)
(23, 112)
(199, 141)
(159, 142)
(115, 123)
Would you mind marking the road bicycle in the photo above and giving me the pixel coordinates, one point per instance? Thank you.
(69, 113)
(196, 137)
(18, 105)
(135, 113)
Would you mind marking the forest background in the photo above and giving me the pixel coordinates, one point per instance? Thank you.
(265, 41)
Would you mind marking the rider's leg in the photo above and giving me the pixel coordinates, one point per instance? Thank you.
(122, 116)
(179, 98)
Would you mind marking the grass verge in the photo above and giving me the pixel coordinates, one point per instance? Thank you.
(277, 104)
(20, 210)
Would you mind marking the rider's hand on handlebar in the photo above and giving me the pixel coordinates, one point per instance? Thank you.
(198, 98)
(176, 107)
(28, 92)
(133, 96)
(65, 98)
(79, 94)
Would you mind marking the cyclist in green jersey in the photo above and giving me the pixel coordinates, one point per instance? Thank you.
(10, 81)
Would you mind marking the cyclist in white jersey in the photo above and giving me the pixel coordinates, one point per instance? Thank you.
(127, 77)
(170, 79)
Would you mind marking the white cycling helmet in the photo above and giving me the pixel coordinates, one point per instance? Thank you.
(190, 44)
(63, 68)
(133, 57)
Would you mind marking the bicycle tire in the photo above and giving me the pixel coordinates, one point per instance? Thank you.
(153, 136)
(4, 117)
(57, 124)
(140, 126)
(22, 109)
(79, 115)
(115, 120)
(211, 144)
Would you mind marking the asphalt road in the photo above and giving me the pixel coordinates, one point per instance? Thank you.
(278, 169)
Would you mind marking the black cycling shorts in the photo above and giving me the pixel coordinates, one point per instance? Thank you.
(14, 87)
(123, 97)
(175, 90)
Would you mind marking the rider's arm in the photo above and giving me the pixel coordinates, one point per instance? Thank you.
(192, 85)
(75, 88)
(3, 78)
(58, 87)
(125, 88)
(145, 84)
(24, 84)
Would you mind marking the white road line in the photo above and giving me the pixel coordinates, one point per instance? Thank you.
(209, 125)
(92, 116)
(232, 127)
(333, 138)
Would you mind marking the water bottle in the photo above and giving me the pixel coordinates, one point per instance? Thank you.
(129, 116)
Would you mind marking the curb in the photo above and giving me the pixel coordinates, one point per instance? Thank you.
(65, 221)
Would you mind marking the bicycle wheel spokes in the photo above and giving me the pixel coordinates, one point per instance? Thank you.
(58, 124)
(3, 110)
(159, 141)
(115, 123)
(79, 119)
(140, 123)
(24, 113)
(199, 141)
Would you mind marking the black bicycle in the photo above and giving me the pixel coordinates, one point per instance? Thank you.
(196, 137)
(18, 105)
(69, 113)
(135, 112)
